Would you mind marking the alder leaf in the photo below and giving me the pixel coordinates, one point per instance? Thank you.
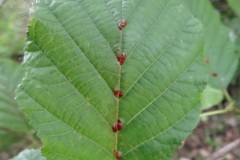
(219, 48)
(72, 70)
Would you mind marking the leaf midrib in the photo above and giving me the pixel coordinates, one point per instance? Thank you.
(119, 80)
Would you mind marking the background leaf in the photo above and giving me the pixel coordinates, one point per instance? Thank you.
(234, 24)
(219, 46)
(71, 72)
(211, 97)
(235, 5)
(11, 118)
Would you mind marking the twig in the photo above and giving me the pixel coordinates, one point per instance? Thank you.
(226, 149)
(228, 97)
(222, 111)
(230, 108)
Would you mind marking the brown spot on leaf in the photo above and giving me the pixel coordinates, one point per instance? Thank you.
(214, 74)
(206, 60)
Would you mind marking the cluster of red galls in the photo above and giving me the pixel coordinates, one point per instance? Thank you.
(118, 93)
(122, 25)
(121, 58)
(118, 126)
(118, 154)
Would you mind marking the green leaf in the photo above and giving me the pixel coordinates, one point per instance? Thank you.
(11, 118)
(211, 97)
(71, 72)
(29, 154)
(234, 24)
(219, 47)
(235, 5)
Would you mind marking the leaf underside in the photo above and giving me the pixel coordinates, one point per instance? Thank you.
(71, 72)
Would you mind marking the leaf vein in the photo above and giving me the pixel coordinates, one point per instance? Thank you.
(162, 93)
(156, 60)
(46, 110)
(147, 30)
(76, 43)
(78, 91)
(165, 130)
(67, 77)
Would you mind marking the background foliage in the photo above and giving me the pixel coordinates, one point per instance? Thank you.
(15, 133)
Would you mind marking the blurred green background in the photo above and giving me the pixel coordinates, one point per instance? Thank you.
(15, 133)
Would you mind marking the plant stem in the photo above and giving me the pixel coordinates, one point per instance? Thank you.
(228, 97)
(226, 149)
(229, 108)
(211, 113)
